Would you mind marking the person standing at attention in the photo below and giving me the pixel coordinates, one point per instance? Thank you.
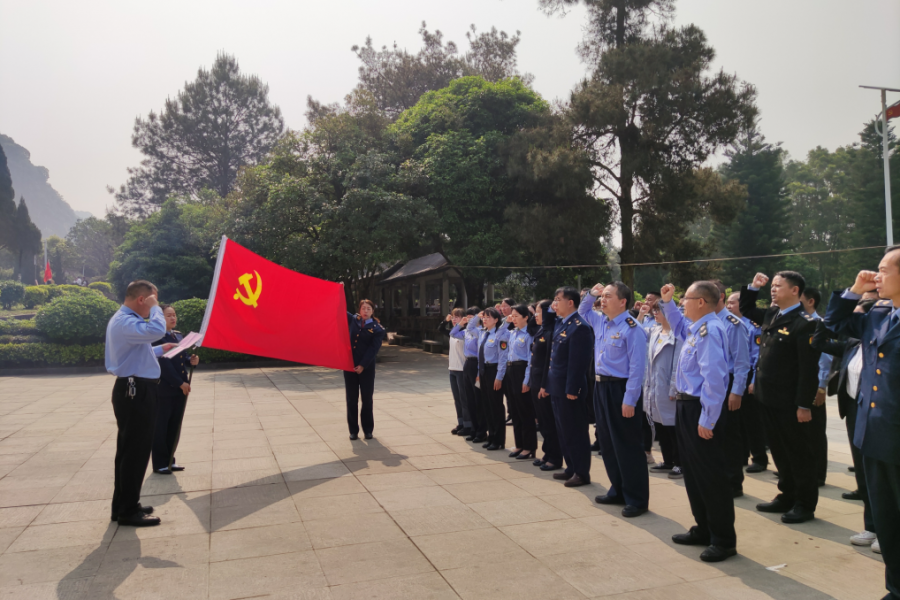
(366, 335)
(620, 356)
(131, 358)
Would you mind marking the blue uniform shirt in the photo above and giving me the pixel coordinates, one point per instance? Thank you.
(470, 336)
(128, 343)
(520, 348)
(738, 350)
(702, 367)
(755, 337)
(620, 348)
(496, 350)
(824, 361)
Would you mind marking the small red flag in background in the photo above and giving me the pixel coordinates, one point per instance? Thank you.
(258, 307)
(48, 274)
(893, 111)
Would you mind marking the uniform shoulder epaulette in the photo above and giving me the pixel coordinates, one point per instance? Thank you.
(755, 324)
(733, 319)
(703, 330)
(630, 322)
(176, 331)
(576, 320)
(809, 317)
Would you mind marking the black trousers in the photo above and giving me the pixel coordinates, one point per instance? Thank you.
(520, 407)
(574, 440)
(550, 447)
(646, 433)
(135, 419)
(668, 443)
(169, 415)
(457, 388)
(622, 444)
(732, 432)
(819, 441)
(859, 467)
(474, 398)
(754, 433)
(496, 423)
(705, 477)
(356, 386)
(792, 453)
(883, 480)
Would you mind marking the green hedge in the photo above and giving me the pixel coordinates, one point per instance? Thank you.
(101, 286)
(76, 319)
(18, 327)
(11, 292)
(50, 355)
(36, 295)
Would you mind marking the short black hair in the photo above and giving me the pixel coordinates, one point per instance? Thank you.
(652, 293)
(544, 304)
(707, 290)
(473, 310)
(522, 309)
(569, 293)
(494, 314)
(794, 278)
(890, 249)
(813, 294)
(139, 288)
(723, 290)
(509, 302)
(624, 292)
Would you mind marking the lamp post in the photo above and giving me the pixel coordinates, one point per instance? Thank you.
(886, 157)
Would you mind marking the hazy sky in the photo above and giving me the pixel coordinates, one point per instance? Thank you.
(74, 75)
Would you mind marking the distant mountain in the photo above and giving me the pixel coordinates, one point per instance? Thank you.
(48, 210)
(83, 214)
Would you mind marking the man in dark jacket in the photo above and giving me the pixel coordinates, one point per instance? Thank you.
(786, 384)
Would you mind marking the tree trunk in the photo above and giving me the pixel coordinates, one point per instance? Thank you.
(474, 291)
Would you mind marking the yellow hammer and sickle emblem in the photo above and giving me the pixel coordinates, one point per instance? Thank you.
(252, 295)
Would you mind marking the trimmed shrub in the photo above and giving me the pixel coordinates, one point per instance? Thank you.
(50, 355)
(75, 318)
(102, 287)
(18, 327)
(36, 295)
(11, 292)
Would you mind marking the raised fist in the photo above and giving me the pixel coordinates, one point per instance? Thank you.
(760, 280)
(666, 292)
(597, 290)
(865, 282)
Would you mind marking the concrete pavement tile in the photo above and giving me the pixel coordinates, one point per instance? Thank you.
(516, 511)
(254, 542)
(607, 571)
(471, 548)
(387, 481)
(461, 475)
(556, 537)
(522, 579)
(317, 488)
(353, 529)
(372, 561)
(423, 497)
(438, 519)
(49, 564)
(19, 515)
(337, 506)
(62, 535)
(254, 577)
(485, 491)
(428, 586)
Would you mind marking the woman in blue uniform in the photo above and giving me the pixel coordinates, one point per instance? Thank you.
(518, 373)
(173, 391)
(493, 348)
(366, 335)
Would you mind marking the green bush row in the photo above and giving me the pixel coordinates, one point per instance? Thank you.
(50, 355)
(18, 327)
(11, 292)
(77, 318)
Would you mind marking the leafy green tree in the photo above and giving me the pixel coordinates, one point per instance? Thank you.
(175, 248)
(396, 79)
(652, 111)
(7, 206)
(27, 242)
(219, 123)
(94, 241)
(763, 227)
(62, 259)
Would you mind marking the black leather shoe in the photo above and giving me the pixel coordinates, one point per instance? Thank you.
(595, 447)
(139, 519)
(778, 505)
(562, 476)
(852, 469)
(691, 538)
(494, 447)
(717, 554)
(515, 454)
(632, 511)
(368, 436)
(607, 499)
(538, 462)
(354, 436)
(854, 495)
(548, 466)
(176, 468)
(455, 430)
(485, 445)
(147, 510)
(798, 515)
(526, 456)
(465, 431)
(756, 468)
(163, 471)
(479, 438)
(576, 481)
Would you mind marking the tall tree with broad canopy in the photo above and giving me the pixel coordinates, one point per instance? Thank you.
(217, 124)
(27, 241)
(651, 112)
(94, 242)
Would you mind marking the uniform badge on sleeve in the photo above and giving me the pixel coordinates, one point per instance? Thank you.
(503, 345)
(703, 330)
(758, 340)
(630, 322)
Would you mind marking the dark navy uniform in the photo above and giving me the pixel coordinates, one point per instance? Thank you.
(365, 339)
(543, 407)
(877, 432)
(753, 430)
(570, 357)
(787, 379)
(172, 402)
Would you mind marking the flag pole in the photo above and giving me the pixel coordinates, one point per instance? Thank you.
(213, 287)
(889, 220)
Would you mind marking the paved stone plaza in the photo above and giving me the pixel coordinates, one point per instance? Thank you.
(277, 503)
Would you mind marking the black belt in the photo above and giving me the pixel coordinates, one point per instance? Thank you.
(681, 396)
(517, 362)
(609, 378)
(141, 379)
(475, 358)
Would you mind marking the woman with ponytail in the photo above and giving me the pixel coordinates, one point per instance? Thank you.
(493, 349)
(366, 335)
(521, 408)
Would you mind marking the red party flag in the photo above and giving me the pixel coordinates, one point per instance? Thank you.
(48, 274)
(258, 307)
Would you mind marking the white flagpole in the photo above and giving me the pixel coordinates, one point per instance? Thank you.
(213, 288)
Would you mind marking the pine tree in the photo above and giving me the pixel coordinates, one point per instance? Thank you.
(28, 242)
(7, 205)
(762, 228)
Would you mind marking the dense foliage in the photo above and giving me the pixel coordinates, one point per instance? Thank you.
(75, 319)
(11, 292)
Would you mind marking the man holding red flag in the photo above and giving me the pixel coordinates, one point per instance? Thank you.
(250, 307)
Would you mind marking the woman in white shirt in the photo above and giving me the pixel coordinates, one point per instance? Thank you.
(457, 379)
(663, 350)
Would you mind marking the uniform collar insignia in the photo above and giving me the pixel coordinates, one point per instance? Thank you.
(784, 331)
(703, 330)
(562, 334)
